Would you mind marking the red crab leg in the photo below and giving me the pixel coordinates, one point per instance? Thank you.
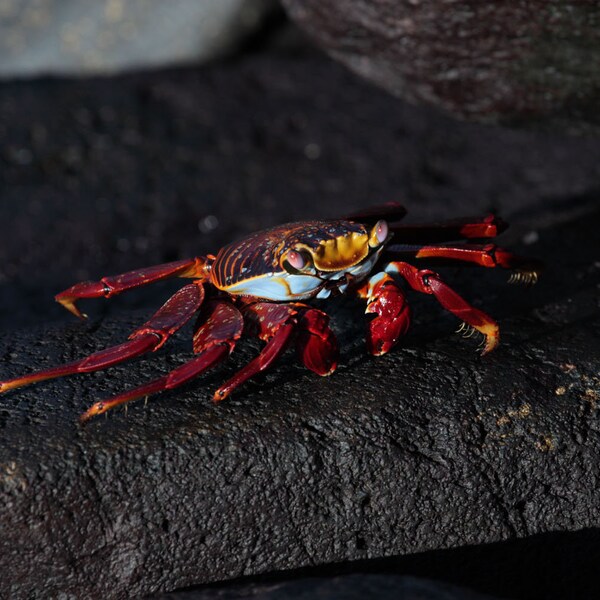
(387, 301)
(275, 347)
(275, 324)
(115, 284)
(221, 327)
(429, 282)
(488, 255)
(477, 227)
(149, 337)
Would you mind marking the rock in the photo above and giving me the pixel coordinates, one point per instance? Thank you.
(533, 64)
(427, 449)
(350, 587)
(77, 37)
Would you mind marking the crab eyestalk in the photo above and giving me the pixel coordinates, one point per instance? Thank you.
(379, 234)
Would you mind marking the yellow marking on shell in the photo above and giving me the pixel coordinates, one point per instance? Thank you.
(339, 253)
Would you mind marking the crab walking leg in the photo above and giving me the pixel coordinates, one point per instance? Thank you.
(316, 343)
(149, 337)
(275, 347)
(488, 255)
(429, 282)
(175, 378)
(387, 301)
(276, 324)
(115, 284)
(215, 339)
(447, 231)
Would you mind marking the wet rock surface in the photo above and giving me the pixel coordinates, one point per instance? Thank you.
(527, 63)
(429, 448)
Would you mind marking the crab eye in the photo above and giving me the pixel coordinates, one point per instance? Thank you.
(379, 233)
(295, 260)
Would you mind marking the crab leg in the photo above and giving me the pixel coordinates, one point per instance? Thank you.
(488, 255)
(276, 324)
(115, 284)
(468, 228)
(446, 231)
(149, 337)
(214, 340)
(429, 282)
(275, 347)
(387, 301)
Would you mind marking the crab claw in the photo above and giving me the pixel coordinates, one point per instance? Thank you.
(316, 343)
(392, 320)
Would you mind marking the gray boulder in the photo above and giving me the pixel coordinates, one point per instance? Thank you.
(87, 36)
(533, 64)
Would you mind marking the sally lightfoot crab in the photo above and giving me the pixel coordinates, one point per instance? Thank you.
(260, 286)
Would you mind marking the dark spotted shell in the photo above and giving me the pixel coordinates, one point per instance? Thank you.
(259, 253)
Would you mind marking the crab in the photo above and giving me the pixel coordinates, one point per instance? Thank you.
(261, 286)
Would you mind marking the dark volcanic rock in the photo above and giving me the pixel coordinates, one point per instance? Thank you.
(427, 448)
(352, 587)
(533, 63)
